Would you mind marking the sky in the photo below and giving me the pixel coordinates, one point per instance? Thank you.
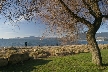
(26, 29)
(103, 27)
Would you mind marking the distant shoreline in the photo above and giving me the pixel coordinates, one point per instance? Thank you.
(38, 42)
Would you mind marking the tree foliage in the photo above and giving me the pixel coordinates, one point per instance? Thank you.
(65, 17)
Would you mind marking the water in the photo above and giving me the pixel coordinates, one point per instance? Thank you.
(99, 42)
(30, 42)
(37, 42)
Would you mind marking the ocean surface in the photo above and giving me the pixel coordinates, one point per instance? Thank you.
(37, 42)
(30, 42)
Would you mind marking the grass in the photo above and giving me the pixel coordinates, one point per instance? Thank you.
(74, 63)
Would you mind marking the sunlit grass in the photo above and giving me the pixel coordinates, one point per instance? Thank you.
(74, 63)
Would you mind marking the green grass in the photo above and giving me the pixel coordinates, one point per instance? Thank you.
(74, 63)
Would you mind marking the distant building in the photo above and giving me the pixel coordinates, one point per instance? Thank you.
(31, 37)
(17, 37)
(102, 39)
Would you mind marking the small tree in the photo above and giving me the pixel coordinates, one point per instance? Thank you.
(66, 17)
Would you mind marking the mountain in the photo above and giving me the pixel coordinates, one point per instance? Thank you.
(101, 34)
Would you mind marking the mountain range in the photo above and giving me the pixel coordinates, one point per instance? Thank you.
(101, 34)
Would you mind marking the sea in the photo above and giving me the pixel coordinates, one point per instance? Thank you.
(30, 42)
(37, 42)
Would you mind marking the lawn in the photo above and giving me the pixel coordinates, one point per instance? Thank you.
(74, 63)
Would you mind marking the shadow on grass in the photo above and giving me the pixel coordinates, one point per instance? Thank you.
(27, 66)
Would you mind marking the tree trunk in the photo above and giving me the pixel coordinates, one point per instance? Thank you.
(96, 54)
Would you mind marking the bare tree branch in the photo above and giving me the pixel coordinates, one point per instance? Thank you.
(89, 8)
(95, 7)
(106, 16)
(75, 15)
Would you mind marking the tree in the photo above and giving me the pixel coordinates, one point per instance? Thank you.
(66, 17)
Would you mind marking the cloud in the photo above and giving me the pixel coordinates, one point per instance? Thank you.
(14, 21)
(9, 32)
(5, 24)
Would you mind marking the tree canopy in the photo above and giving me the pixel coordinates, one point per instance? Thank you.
(66, 17)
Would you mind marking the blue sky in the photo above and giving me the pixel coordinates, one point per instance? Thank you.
(104, 27)
(26, 29)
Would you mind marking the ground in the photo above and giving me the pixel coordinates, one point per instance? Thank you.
(71, 63)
